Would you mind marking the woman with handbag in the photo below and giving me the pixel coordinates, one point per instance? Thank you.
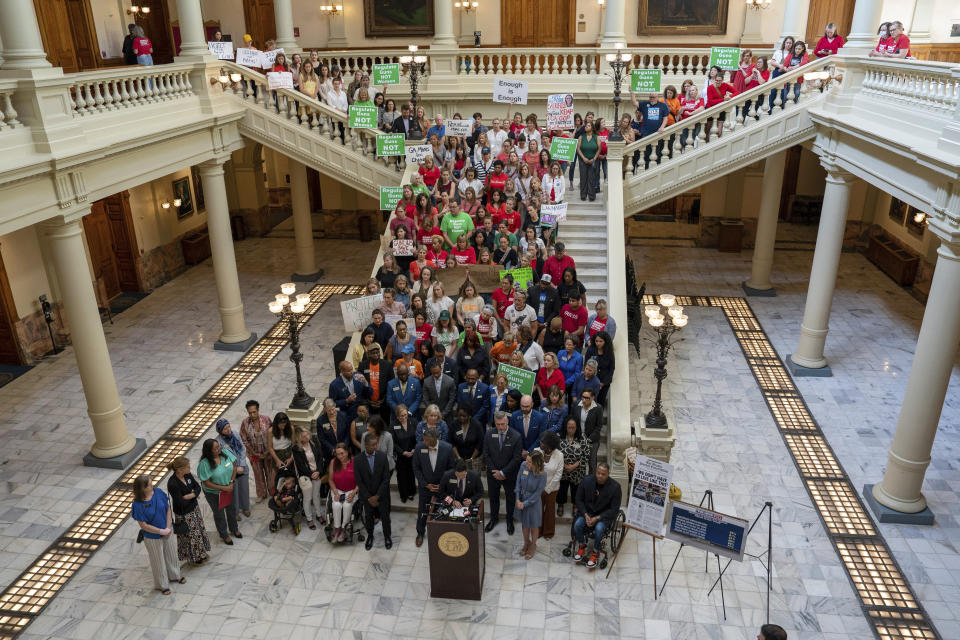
(217, 472)
(241, 487)
(192, 541)
(151, 510)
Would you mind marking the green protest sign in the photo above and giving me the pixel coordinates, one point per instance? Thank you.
(521, 276)
(390, 144)
(363, 116)
(645, 80)
(389, 197)
(727, 58)
(519, 379)
(385, 74)
(563, 149)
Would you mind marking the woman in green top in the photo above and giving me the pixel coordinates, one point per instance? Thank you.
(363, 98)
(588, 150)
(217, 472)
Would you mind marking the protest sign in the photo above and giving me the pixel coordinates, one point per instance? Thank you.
(402, 247)
(727, 58)
(279, 80)
(649, 493)
(390, 144)
(389, 197)
(707, 529)
(519, 379)
(458, 127)
(417, 152)
(249, 57)
(564, 149)
(522, 276)
(558, 210)
(486, 277)
(385, 74)
(509, 91)
(645, 80)
(223, 50)
(267, 58)
(363, 116)
(548, 220)
(356, 311)
(560, 111)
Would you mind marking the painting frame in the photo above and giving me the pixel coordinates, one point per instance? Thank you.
(197, 188)
(701, 29)
(181, 190)
(373, 30)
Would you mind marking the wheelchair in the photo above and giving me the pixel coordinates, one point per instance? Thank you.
(612, 539)
(354, 527)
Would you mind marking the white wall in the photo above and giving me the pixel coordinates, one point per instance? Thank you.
(945, 13)
(155, 226)
(111, 20)
(25, 271)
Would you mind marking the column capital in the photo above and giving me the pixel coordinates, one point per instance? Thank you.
(214, 166)
(945, 219)
(835, 174)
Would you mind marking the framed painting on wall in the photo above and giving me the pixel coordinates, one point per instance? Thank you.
(181, 191)
(385, 18)
(197, 188)
(682, 17)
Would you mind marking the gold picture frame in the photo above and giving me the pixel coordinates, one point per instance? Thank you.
(397, 18)
(682, 17)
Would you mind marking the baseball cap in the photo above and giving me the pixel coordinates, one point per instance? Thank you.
(546, 278)
(407, 348)
(485, 150)
(444, 315)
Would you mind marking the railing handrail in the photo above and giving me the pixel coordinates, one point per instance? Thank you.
(117, 73)
(925, 66)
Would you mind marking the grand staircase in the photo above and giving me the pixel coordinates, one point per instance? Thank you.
(585, 238)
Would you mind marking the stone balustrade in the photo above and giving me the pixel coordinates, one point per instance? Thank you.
(114, 89)
(8, 115)
(926, 85)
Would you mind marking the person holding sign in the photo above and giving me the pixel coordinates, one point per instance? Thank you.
(597, 503)
(655, 115)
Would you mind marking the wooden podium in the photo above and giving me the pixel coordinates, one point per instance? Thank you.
(457, 557)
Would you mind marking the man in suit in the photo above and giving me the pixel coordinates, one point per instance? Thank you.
(449, 365)
(544, 299)
(461, 485)
(441, 390)
(589, 416)
(372, 473)
(501, 454)
(406, 123)
(529, 424)
(474, 396)
(406, 391)
(379, 375)
(430, 463)
(349, 390)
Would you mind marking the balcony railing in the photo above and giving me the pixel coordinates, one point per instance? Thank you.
(578, 61)
(927, 85)
(8, 115)
(115, 89)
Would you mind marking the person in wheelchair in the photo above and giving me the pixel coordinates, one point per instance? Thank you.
(343, 491)
(597, 504)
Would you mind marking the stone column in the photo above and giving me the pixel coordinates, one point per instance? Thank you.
(113, 446)
(443, 37)
(193, 40)
(613, 24)
(338, 30)
(759, 282)
(234, 336)
(920, 25)
(795, 19)
(863, 28)
(283, 17)
(823, 278)
(933, 360)
(20, 34)
(306, 270)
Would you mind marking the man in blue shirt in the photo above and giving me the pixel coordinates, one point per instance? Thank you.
(655, 114)
(439, 128)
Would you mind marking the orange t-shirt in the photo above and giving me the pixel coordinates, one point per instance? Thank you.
(375, 382)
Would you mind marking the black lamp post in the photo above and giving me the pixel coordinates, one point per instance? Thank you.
(618, 63)
(416, 67)
(291, 311)
(664, 326)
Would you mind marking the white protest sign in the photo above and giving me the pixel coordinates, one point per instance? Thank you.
(249, 57)
(279, 80)
(402, 248)
(649, 494)
(558, 210)
(268, 57)
(510, 91)
(458, 127)
(356, 312)
(223, 50)
(418, 152)
(560, 111)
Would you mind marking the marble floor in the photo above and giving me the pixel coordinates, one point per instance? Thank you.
(301, 587)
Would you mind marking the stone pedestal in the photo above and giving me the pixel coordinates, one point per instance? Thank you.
(306, 418)
(656, 443)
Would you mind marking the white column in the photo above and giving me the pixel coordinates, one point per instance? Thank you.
(823, 274)
(193, 41)
(20, 34)
(338, 30)
(794, 19)
(234, 328)
(933, 360)
(302, 222)
(89, 344)
(767, 223)
(920, 24)
(443, 37)
(283, 17)
(613, 24)
(863, 28)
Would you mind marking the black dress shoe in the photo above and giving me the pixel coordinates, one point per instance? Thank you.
(369, 543)
(510, 528)
(490, 525)
(236, 534)
(388, 542)
(419, 541)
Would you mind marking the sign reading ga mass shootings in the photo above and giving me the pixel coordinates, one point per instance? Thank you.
(510, 91)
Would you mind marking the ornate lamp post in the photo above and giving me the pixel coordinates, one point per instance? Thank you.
(664, 326)
(618, 63)
(292, 311)
(416, 67)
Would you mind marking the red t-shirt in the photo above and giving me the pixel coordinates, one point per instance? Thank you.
(496, 211)
(431, 176)
(687, 107)
(423, 332)
(501, 300)
(754, 83)
(142, 46)
(516, 128)
(437, 260)
(896, 46)
(487, 330)
(546, 381)
(512, 219)
(467, 256)
(716, 96)
(495, 181)
(825, 45)
(596, 326)
(424, 234)
(885, 43)
(572, 319)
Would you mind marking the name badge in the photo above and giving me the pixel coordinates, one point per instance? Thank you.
(453, 480)
(526, 472)
(424, 450)
(460, 433)
(327, 427)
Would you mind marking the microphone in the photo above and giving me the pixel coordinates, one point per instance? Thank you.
(448, 501)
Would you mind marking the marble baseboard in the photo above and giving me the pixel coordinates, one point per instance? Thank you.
(34, 337)
(163, 263)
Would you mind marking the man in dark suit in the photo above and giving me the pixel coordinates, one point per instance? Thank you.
(441, 390)
(589, 416)
(462, 486)
(379, 375)
(430, 463)
(544, 299)
(406, 123)
(129, 57)
(372, 473)
(501, 454)
(349, 390)
(449, 366)
(406, 391)
(529, 424)
(474, 396)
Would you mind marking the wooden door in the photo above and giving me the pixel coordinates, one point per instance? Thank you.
(124, 240)
(261, 23)
(536, 23)
(789, 188)
(9, 347)
(822, 13)
(84, 34)
(96, 228)
(55, 30)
